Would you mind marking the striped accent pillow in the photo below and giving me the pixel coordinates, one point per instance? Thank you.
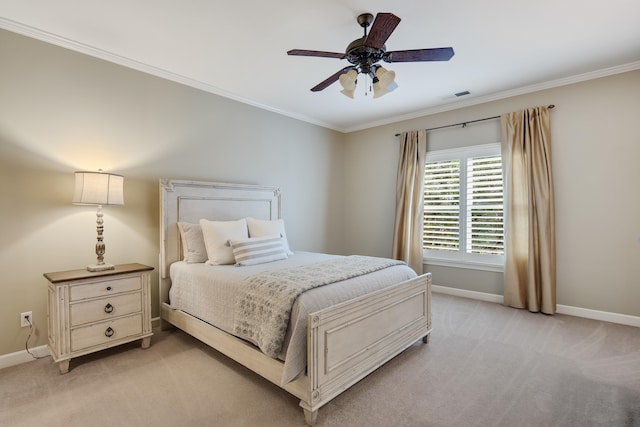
(257, 250)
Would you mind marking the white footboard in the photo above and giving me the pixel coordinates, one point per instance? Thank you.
(345, 342)
(348, 341)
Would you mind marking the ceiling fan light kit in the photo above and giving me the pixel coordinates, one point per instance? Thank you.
(364, 54)
(384, 82)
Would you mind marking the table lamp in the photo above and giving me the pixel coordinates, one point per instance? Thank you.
(99, 189)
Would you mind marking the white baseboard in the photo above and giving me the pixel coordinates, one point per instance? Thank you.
(605, 316)
(155, 322)
(456, 292)
(12, 359)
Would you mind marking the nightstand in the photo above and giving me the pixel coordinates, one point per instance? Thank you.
(90, 311)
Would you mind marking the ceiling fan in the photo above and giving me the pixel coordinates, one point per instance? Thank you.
(365, 53)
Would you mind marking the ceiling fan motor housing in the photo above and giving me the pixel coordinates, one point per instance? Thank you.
(363, 57)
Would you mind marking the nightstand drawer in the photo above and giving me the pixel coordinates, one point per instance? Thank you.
(104, 287)
(105, 332)
(105, 308)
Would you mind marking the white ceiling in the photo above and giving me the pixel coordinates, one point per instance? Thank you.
(238, 48)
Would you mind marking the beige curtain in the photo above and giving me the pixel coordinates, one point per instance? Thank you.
(530, 269)
(407, 234)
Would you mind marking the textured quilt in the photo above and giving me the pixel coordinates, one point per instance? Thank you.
(263, 305)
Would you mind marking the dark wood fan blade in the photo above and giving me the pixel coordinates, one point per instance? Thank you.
(382, 27)
(302, 52)
(330, 80)
(417, 55)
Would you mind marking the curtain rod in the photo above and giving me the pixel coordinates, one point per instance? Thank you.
(463, 124)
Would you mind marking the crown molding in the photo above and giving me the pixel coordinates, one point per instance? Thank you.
(632, 66)
(66, 43)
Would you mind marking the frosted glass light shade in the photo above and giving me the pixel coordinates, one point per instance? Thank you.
(381, 91)
(348, 80)
(349, 93)
(385, 82)
(385, 77)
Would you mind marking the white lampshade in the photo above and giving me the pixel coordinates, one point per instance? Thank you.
(97, 188)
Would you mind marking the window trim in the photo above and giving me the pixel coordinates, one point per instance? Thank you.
(461, 259)
(485, 266)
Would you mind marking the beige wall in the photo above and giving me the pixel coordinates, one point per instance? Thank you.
(61, 111)
(596, 149)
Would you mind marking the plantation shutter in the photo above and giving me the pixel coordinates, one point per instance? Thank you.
(484, 230)
(463, 208)
(442, 206)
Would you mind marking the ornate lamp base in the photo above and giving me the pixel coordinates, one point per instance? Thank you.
(100, 267)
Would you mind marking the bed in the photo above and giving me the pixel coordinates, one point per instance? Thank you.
(336, 335)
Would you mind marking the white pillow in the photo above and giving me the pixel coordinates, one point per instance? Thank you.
(258, 250)
(217, 235)
(193, 248)
(265, 227)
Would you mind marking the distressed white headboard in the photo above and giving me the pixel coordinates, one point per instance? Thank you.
(189, 201)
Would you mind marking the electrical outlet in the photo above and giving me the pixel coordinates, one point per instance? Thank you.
(25, 318)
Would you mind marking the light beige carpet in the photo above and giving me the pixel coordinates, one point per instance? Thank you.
(486, 365)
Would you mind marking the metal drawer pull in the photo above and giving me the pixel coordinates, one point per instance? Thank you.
(109, 332)
(108, 288)
(108, 308)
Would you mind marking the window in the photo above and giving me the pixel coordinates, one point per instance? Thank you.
(463, 208)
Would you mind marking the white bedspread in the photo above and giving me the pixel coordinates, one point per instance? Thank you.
(208, 293)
